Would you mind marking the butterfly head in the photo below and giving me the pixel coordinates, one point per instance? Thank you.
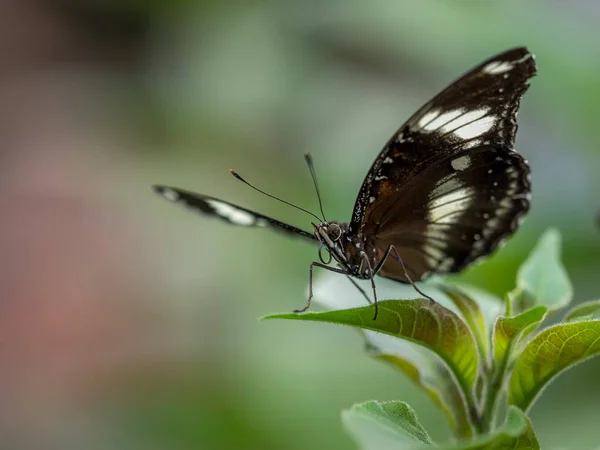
(331, 237)
(329, 233)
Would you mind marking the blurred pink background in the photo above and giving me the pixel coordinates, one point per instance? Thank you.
(126, 324)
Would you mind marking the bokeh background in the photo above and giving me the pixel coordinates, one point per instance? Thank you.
(126, 323)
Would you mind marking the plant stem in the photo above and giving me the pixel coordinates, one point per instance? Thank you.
(490, 407)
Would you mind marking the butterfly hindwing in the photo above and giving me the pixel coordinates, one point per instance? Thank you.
(462, 208)
(228, 212)
(448, 187)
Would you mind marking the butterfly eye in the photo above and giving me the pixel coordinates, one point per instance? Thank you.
(334, 231)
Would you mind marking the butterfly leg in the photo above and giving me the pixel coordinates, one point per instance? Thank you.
(310, 281)
(397, 257)
(372, 278)
(357, 286)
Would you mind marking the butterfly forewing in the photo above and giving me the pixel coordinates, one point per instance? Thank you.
(230, 213)
(448, 187)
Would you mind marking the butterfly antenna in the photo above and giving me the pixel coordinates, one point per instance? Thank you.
(237, 175)
(313, 174)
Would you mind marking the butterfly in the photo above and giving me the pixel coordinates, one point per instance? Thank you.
(447, 189)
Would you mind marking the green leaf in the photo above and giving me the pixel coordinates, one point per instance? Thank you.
(553, 350)
(420, 321)
(542, 279)
(394, 426)
(472, 314)
(385, 425)
(509, 331)
(423, 367)
(585, 311)
(489, 305)
(433, 377)
(515, 434)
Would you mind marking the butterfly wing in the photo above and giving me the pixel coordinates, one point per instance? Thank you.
(449, 187)
(230, 213)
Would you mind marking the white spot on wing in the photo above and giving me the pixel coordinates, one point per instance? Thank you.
(437, 235)
(169, 194)
(526, 57)
(497, 67)
(443, 119)
(475, 128)
(427, 118)
(231, 213)
(448, 183)
(388, 160)
(464, 119)
(445, 265)
(494, 223)
(471, 144)
(448, 208)
(461, 163)
(433, 254)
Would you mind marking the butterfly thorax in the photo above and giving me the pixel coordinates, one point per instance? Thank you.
(353, 252)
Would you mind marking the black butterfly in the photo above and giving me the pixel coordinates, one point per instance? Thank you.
(447, 189)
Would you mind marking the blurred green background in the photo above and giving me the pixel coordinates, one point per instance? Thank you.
(127, 323)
